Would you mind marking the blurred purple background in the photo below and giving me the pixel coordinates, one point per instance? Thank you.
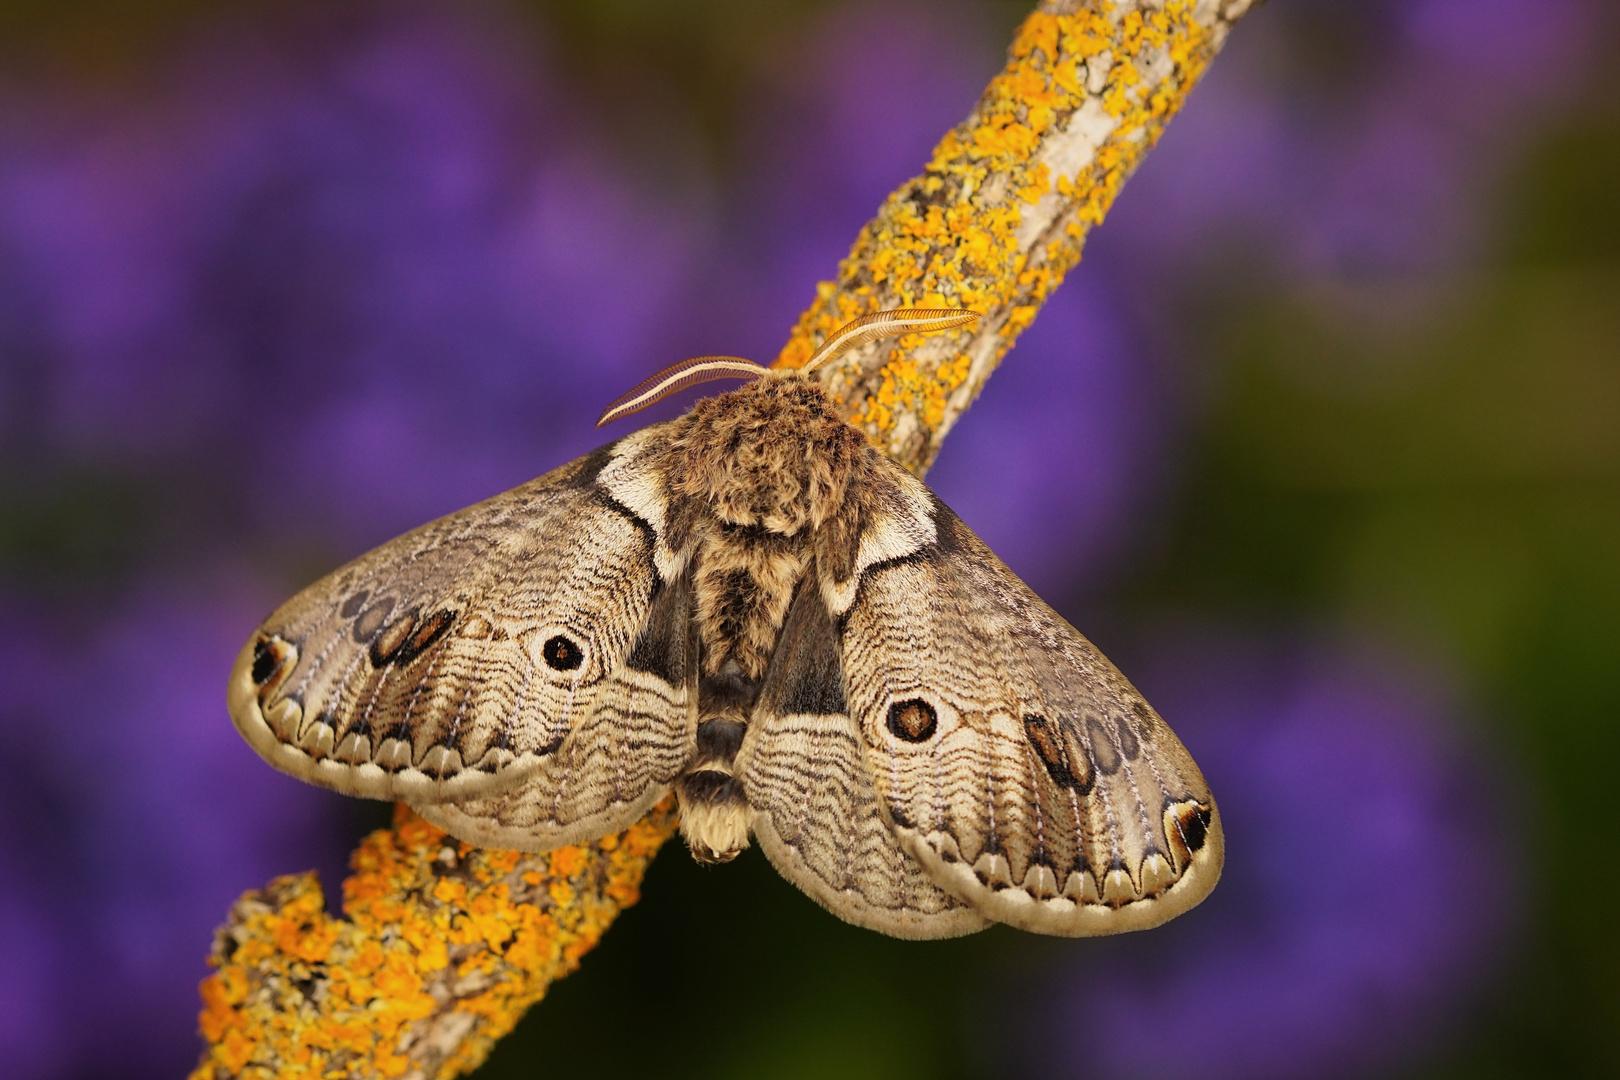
(285, 283)
(1363, 894)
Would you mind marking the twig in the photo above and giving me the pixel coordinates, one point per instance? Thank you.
(1001, 212)
(445, 946)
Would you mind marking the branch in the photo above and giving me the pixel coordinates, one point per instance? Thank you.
(1001, 212)
(443, 947)
(442, 950)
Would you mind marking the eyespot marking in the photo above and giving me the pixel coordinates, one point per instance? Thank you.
(272, 657)
(1186, 826)
(562, 653)
(351, 607)
(265, 662)
(913, 720)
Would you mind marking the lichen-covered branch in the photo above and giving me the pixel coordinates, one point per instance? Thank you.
(1001, 212)
(442, 947)
(441, 950)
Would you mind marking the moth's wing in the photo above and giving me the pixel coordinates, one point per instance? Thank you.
(499, 646)
(1011, 758)
(816, 815)
(622, 757)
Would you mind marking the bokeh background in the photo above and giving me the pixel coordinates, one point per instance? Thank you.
(1321, 443)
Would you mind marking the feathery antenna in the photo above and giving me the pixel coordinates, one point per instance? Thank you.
(882, 324)
(679, 376)
(700, 369)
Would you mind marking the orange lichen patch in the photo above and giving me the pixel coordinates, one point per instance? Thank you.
(436, 936)
(995, 222)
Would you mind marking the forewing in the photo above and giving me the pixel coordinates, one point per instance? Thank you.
(1011, 758)
(485, 650)
(806, 776)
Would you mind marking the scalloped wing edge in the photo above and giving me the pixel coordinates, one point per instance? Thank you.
(1060, 914)
(366, 780)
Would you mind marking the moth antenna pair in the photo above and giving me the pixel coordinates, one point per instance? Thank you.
(856, 332)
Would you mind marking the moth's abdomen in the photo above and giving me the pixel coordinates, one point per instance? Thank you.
(715, 815)
(744, 579)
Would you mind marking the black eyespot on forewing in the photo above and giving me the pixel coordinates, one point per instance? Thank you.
(562, 653)
(913, 720)
(265, 663)
(351, 607)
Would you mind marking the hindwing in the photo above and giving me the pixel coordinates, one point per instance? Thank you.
(806, 776)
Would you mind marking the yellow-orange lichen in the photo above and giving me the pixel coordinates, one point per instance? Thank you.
(952, 237)
(443, 947)
(431, 927)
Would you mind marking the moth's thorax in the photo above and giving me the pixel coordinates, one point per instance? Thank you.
(765, 475)
(743, 582)
(774, 454)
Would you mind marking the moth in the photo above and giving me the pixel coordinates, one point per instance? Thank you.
(753, 608)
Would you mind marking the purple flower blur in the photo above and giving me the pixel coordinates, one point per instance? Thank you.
(1393, 180)
(136, 815)
(1363, 891)
(1054, 463)
(389, 276)
(829, 137)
